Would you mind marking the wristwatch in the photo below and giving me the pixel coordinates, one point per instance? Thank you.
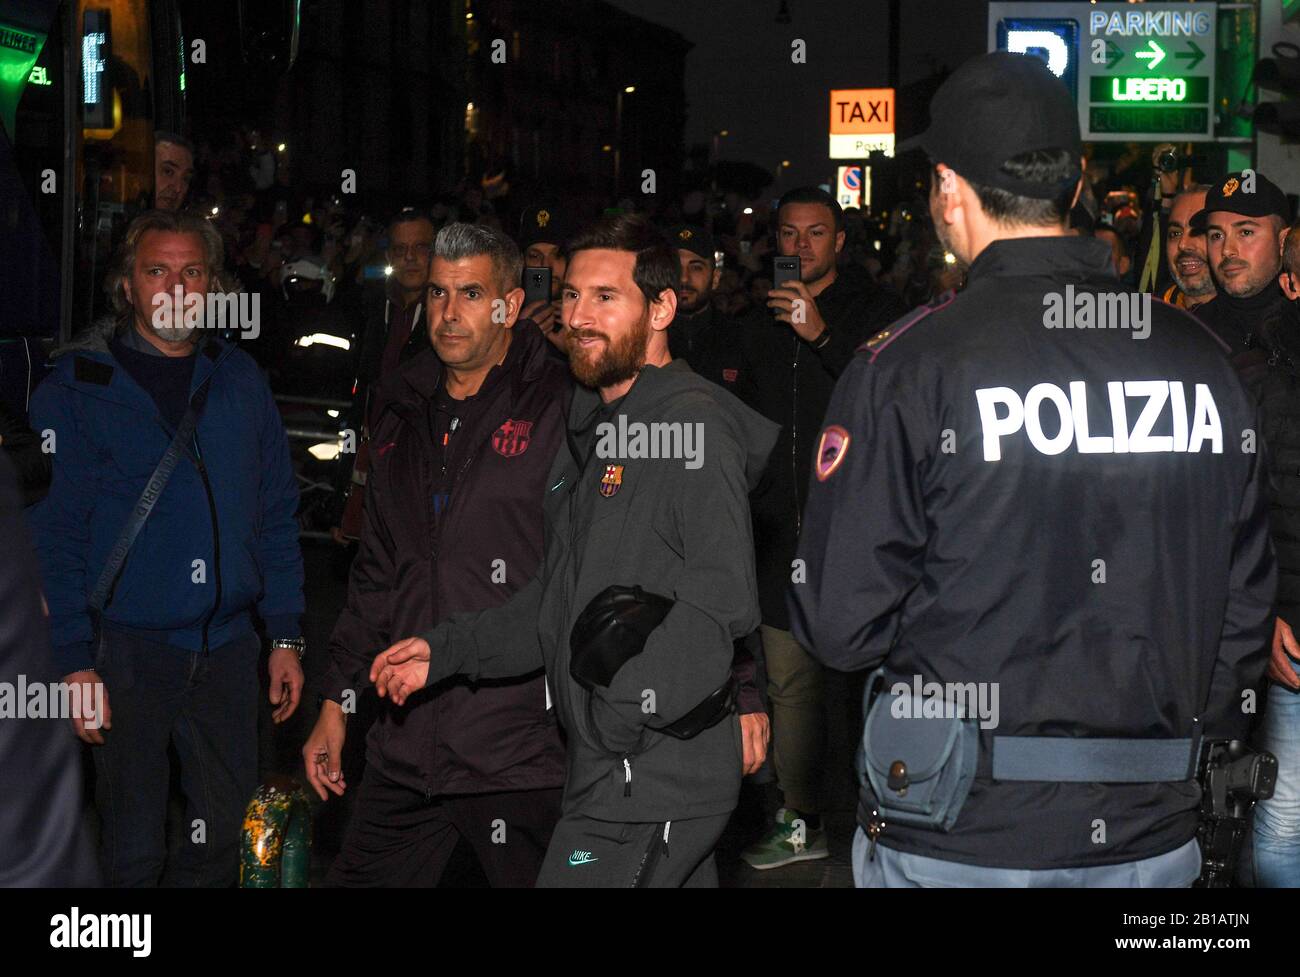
(297, 645)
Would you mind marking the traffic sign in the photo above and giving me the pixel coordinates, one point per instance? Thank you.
(848, 186)
(862, 122)
(1138, 72)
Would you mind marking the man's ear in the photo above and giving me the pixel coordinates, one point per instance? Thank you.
(717, 278)
(839, 241)
(514, 300)
(1290, 285)
(1124, 264)
(949, 190)
(663, 310)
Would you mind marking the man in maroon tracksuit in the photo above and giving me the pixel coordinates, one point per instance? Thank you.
(452, 523)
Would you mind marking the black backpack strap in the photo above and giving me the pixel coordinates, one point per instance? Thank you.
(102, 593)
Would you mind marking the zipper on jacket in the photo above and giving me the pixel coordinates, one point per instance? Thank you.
(627, 774)
(216, 539)
(667, 825)
(794, 438)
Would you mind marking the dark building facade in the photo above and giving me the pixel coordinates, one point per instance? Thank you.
(554, 114)
(377, 87)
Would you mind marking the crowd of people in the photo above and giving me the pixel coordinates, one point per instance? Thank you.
(583, 642)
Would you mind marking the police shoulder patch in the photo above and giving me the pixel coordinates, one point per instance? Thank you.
(831, 449)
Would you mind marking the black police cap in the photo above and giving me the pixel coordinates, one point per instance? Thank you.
(995, 107)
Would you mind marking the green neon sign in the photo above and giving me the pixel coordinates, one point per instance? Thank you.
(1173, 119)
(19, 50)
(1137, 90)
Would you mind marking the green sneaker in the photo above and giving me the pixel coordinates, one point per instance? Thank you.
(786, 844)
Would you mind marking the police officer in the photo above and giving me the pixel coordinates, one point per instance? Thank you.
(1050, 537)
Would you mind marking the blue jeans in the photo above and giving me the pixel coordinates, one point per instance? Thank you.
(206, 705)
(1277, 820)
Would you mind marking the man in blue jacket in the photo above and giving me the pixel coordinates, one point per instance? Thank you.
(174, 642)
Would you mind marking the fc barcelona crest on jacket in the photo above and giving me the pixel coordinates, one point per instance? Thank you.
(511, 438)
(611, 480)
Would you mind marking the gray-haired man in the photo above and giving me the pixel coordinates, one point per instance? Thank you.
(452, 523)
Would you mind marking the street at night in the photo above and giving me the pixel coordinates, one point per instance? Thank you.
(783, 444)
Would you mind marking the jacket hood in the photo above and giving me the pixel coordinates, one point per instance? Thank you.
(93, 339)
(657, 384)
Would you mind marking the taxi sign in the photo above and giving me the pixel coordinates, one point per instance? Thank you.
(862, 122)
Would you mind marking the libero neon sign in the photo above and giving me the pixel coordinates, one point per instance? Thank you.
(1130, 89)
(1148, 89)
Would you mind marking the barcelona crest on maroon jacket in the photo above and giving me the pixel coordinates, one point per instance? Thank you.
(511, 438)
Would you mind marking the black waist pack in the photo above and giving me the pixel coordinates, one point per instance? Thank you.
(612, 630)
(918, 766)
(717, 707)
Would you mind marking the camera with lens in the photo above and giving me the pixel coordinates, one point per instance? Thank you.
(1168, 161)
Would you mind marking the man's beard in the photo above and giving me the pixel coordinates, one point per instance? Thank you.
(1243, 286)
(614, 362)
(174, 335)
(700, 303)
(1186, 287)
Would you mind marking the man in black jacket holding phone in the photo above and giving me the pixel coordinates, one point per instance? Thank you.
(793, 356)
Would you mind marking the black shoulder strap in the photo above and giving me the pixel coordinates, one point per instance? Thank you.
(99, 598)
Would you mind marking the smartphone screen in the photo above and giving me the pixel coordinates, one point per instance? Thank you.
(537, 285)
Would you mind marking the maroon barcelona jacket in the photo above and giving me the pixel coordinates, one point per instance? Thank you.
(434, 545)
